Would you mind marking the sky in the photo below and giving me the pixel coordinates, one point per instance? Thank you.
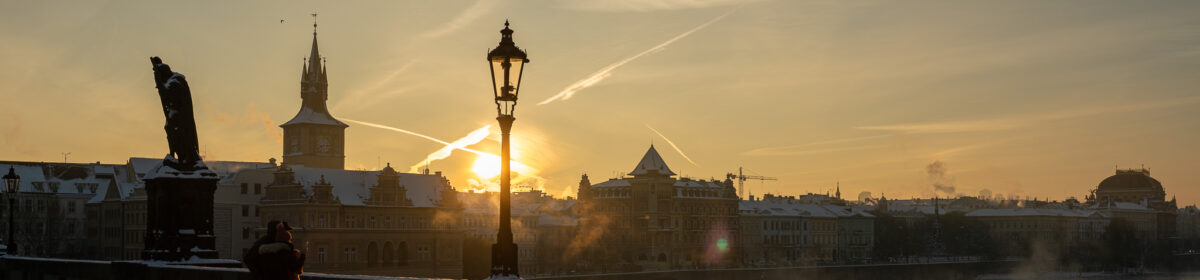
(1019, 98)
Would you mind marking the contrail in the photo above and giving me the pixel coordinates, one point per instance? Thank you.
(516, 166)
(406, 132)
(607, 71)
(664, 137)
(471, 139)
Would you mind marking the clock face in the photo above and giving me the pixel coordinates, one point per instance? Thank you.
(323, 144)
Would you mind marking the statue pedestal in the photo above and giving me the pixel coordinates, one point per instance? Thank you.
(179, 206)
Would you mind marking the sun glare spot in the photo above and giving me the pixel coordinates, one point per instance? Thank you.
(486, 166)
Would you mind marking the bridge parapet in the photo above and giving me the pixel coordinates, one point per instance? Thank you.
(21, 268)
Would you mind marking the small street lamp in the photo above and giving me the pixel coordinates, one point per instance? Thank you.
(11, 181)
(507, 63)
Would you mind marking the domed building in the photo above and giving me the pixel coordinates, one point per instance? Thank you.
(1133, 186)
(1132, 195)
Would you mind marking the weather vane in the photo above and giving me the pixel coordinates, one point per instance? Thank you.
(314, 14)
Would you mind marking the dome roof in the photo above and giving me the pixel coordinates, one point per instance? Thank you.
(1132, 179)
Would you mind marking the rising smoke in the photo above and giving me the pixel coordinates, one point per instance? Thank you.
(937, 176)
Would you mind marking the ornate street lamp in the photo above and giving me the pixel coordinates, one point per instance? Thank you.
(11, 181)
(507, 63)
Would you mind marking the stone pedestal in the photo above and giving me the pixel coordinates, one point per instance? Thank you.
(179, 206)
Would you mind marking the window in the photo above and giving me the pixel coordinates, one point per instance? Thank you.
(320, 255)
(423, 252)
(71, 207)
(257, 188)
(245, 210)
(244, 188)
(255, 209)
(245, 233)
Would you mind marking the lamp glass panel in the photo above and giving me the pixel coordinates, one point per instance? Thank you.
(514, 76)
(497, 76)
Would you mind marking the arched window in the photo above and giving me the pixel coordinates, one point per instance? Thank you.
(387, 254)
(372, 254)
(402, 254)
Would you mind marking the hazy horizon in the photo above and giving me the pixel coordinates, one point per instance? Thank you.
(1037, 99)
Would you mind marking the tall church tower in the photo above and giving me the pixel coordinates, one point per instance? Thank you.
(313, 138)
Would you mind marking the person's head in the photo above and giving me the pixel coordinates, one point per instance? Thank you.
(279, 231)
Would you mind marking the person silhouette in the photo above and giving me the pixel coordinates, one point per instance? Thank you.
(274, 256)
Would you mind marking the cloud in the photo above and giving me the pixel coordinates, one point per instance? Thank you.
(472, 138)
(605, 72)
(254, 117)
(664, 137)
(1021, 121)
(463, 18)
(803, 149)
(368, 95)
(648, 5)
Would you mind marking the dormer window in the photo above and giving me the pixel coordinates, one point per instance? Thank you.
(38, 186)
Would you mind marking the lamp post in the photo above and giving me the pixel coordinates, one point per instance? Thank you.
(11, 181)
(507, 63)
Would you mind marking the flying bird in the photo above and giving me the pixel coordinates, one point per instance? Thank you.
(281, 21)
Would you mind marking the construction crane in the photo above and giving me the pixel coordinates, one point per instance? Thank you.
(741, 179)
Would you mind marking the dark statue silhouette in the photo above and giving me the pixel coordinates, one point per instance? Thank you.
(181, 125)
(179, 192)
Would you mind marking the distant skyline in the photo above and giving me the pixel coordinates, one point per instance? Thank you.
(1024, 98)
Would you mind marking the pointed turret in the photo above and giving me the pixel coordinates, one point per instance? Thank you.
(839, 190)
(652, 164)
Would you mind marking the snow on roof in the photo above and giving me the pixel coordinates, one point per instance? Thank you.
(1028, 212)
(61, 178)
(766, 208)
(612, 183)
(223, 168)
(844, 211)
(698, 184)
(1130, 206)
(307, 115)
(352, 187)
(142, 165)
(651, 162)
(124, 189)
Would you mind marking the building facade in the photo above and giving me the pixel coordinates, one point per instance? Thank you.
(651, 220)
(367, 222)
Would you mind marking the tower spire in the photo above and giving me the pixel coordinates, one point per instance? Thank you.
(314, 56)
(839, 190)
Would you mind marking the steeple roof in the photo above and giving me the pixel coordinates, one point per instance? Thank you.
(652, 163)
(314, 92)
(314, 56)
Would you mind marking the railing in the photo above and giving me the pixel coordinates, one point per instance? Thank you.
(21, 268)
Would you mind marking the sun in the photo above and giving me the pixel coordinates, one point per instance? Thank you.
(486, 166)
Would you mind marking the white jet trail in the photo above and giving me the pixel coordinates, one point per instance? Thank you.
(607, 71)
(516, 166)
(471, 139)
(664, 137)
